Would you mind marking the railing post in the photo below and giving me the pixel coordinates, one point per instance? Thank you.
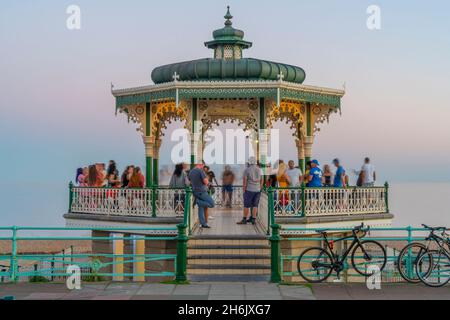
(153, 201)
(386, 196)
(181, 266)
(270, 207)
(275, 275)
(70, 196)
(409, 264)
(303, 200)
(187, 209)
(52, 267)
(13, 265)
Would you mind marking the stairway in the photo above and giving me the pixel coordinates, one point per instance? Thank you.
(232, 258)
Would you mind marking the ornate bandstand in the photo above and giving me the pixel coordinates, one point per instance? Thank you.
(255, 94)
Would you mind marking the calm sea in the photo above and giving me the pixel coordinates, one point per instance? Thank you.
(44, 204)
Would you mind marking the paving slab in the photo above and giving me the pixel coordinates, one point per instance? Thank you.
(112, 297)
(189, 297)
(156, 289)
(194, 289)
(227, 289)
(225, 297)
(296, 293)
(45, 296)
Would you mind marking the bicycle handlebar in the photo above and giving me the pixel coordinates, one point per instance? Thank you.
(434, 228)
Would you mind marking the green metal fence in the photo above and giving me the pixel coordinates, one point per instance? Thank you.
(17, 266)
(386, 236)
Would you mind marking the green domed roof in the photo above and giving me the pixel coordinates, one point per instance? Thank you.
(228, 64)
(222, 69)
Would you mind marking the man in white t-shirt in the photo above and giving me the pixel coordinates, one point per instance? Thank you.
(368, 174)
(295, 174)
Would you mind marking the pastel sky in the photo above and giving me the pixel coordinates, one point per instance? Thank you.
(57, 112)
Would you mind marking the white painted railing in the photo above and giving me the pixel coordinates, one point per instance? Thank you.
(191, 215)
(329, 201)
(166, 202)
(341, 201)
(169, 202)
(220, 197)
(263, 213)
(147, 202)
(287, 202)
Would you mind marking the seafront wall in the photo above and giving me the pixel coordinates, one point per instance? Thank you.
(130, 263)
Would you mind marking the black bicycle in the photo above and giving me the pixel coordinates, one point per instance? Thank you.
(433, 266)
(316, 264)
(407, 262)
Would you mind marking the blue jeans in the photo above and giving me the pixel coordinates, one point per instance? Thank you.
(203, 200)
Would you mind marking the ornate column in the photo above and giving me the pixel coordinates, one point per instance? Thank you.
(194, 108)
(156, 148)
(148, 142)
(309, 138)
(307, 144)
(262, 145)
(300, 154)
(196, 135)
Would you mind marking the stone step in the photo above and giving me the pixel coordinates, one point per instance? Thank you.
(214, 277)
(226, 262)
(235, 251)
(228, 269)
(228, 246)
(230, 266)
(227, 256)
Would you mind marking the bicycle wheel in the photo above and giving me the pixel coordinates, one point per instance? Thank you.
(407, 261)
(439, 264)
(368, 252)
(314, 265)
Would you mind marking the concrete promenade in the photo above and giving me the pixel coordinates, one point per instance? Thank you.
(219, 291)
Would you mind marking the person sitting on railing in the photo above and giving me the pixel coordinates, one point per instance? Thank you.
(199, 182)
(252, 184)
(227, 186)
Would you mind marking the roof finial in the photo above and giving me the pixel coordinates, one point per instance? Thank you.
(228, 16)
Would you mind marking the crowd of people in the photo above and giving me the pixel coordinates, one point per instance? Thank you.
(202, 181)
(289, 175)
(97, 175)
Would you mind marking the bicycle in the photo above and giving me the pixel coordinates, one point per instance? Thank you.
(316, 264)
(410, 254)
(436, 262)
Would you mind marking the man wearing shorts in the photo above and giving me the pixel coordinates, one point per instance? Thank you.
(252, 185)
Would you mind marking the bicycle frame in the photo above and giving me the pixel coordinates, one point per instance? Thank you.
(336, 260)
